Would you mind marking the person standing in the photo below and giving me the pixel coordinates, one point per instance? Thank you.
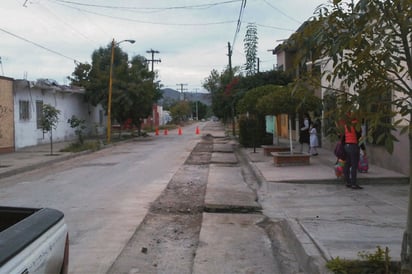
(304, 132)
(313, 139)
(352, 155)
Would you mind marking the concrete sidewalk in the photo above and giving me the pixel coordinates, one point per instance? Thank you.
(324, 219)
(317, 215)
(33, 157)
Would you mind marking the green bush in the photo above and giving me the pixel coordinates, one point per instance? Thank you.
(77, 147)
(252, 132)
(369, 263)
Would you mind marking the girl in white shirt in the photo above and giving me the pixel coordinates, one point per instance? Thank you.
(314, 142)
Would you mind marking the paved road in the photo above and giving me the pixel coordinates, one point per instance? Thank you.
(104, 195)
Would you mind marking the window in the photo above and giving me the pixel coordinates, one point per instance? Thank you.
(24, 110)
(39, 113)
(384, 107)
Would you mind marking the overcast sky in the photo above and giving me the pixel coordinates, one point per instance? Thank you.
(42, 38)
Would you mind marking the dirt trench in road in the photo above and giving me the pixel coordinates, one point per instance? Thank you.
(167, 239)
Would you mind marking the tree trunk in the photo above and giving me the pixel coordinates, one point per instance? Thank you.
(51, 142)
(406, 256)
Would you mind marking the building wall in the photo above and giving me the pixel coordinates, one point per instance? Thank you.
(68, 101)
(397, 161)
(6, 115)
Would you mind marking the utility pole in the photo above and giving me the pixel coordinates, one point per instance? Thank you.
(258, 65)
(197, 110)
(153, 60)
(229, 53)
(181, 91)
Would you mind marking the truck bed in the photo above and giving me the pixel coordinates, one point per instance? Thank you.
(21, 226)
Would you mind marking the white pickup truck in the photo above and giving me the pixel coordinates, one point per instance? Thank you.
(33, 241)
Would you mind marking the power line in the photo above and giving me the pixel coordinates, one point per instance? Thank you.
(281, 12)
(148, 22)
(273, 27)
(239, 21)
(199, 6)
(38, 45)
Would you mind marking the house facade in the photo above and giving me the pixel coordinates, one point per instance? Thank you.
(397, 161)
(27, 100)
(6, 115)
(377, 154)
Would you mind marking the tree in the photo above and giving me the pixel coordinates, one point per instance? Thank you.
(49, 120)
(288, 100)
(201, 110)
(223, 91)
(251, 45)
(255, 121)
(370, 47)
(79, 126)
(180, 111)
(137, 94)
(134, 89)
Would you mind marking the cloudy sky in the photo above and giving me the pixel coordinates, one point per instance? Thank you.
(44, 38)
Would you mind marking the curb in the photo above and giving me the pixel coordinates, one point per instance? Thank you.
(41, 164)
(310, 255)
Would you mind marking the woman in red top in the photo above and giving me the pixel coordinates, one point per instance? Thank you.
(352, 155)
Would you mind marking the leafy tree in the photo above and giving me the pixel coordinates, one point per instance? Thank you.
(253, 127)
(180, 111)
(201, 110)
(134, 89)
(248, 103)
(79, 126)
(49, 120)
(369, 44)
(288, 100)
(251, 46)
(137, 94)
(224, 93)
(271, 77)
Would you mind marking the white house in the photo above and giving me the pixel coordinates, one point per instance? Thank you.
(29, 98)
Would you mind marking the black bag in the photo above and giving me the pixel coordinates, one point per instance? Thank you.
(340, 150)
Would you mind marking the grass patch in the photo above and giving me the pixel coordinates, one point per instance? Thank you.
(369, 263)
(77, 147)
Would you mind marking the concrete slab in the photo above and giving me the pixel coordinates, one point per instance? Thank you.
(226, 189)
(216, 130)
(233, 243)
(341, 221)
(320, 170)
(223, 158)
(225, 147)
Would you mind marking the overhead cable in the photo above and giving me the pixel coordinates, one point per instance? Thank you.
(38, 45)
(281, 12)
(199, 6)
(239, 22)
(148, 22)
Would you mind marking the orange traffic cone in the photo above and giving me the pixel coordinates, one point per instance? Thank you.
(157, 132)
(179, 131)
(197, 131)
(165, 132)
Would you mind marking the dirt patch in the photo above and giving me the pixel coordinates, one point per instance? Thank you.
(167, 239)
